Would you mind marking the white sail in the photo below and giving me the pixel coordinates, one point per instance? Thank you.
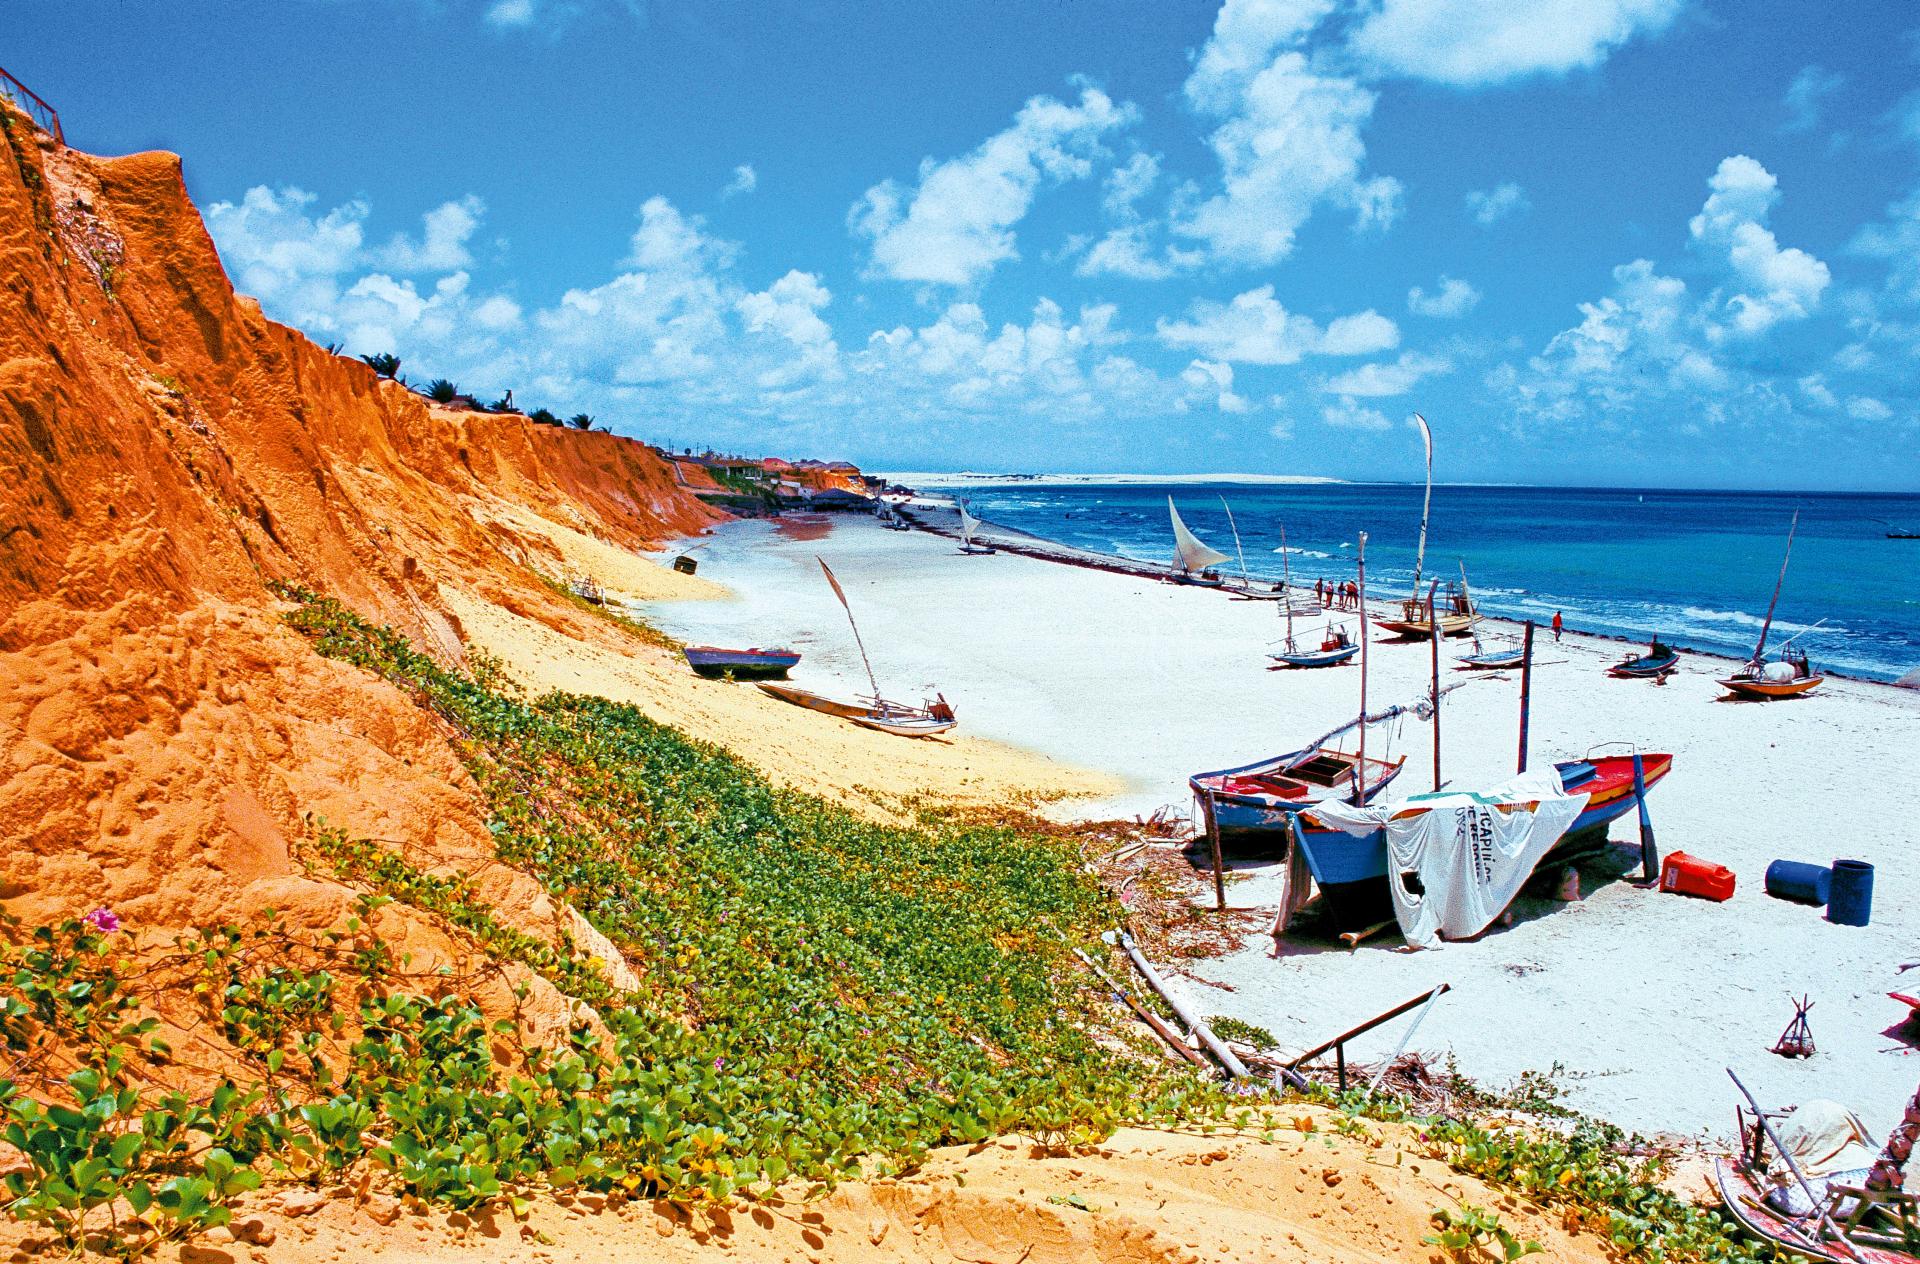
(1189, 554)
(968, 523)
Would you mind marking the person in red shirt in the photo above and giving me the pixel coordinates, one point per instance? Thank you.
(1557, 625)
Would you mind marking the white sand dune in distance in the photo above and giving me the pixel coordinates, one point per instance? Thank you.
(960, 478)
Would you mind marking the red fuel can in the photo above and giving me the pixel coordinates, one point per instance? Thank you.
(1690, 875)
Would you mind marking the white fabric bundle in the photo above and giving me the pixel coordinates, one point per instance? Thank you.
(1470, 852)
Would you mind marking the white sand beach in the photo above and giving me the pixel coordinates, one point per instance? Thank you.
(1642, 997)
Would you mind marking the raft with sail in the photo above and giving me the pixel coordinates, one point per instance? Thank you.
(970, 532)
(1336, 647)
(1195, 562)
(1449, 613)
(1790, 674)
(873, 711)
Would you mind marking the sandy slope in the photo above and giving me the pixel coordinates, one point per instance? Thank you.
(1144, 1198)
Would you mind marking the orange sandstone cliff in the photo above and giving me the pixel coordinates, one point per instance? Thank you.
(166, 452)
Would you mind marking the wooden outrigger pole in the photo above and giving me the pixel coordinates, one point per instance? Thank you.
(1526, 690)
(1433, 619)
(1426, 506)
(1246, 580)
(1360, 767)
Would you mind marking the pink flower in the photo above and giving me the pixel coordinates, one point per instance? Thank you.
(104, 920)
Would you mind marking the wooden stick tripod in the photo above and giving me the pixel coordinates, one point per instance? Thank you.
(1797, 1040)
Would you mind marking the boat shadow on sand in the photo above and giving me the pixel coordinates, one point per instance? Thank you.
(1314, 931)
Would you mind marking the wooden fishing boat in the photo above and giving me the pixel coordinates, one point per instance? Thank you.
(1873, 1221)
(1657, 661)
(1194, 562)
(930, 720)
(1789, 675)
(1492, 660)
(1351, 869)
(1425, 616)
(1336, 647)
(714, 661)
(1255, 802)
(1451, 611)
(873, 711)
(970, 532)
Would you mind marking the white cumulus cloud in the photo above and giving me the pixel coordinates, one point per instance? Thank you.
(1211, 377)
(745, 180)
(1396, 377)
(1453, 299)
(1349, 414)
(1770, 284)
(1473, 43)
(1287, 136)
(956, 224)
(1488, 207)
(1254, 328)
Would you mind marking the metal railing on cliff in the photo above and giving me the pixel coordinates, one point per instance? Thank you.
(44, 116)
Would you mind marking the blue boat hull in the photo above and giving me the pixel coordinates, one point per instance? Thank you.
(1351, 869)
(1645, 666)
(1318, 658)
(741, 664)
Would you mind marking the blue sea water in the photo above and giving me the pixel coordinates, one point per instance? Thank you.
(1696, 567)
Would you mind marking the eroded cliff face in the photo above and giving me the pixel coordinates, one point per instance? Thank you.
(167, 453)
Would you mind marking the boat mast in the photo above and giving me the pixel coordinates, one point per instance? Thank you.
(1766, 627)
(1246, 580)
(1360, 765)
(1426, 505)
(1286, 584)
(871, 680)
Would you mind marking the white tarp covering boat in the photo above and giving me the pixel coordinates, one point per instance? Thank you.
(1188, 551)
(1456, 859)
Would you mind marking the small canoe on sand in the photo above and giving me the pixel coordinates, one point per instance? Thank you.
(874, 713)
(712, 661)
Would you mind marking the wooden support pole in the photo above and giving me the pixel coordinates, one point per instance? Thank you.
(1526, 690)
(1219, 865)
(1368, 1026)
(1433, 626)
(1649, 849)
(1360, 766)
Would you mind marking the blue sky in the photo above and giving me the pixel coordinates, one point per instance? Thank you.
(1651, 242)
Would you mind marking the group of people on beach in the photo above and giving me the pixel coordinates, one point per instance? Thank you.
(1337, 596)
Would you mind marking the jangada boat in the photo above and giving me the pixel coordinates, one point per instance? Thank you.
(1492, 660)
(1351, 868)
(928, 720)
(1657, 661)
(1336, 647)
(872, 711)
(1826, 1204)
(713, 661)
(1431, 615)
(1254, 803)
(1194, 562)
(970, 541)
(1789, 675)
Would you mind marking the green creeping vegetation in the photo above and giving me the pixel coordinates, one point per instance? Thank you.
(1593, 1171)
(1230, 1028)
(1474, 1234)
(856, 990)
(644, 631)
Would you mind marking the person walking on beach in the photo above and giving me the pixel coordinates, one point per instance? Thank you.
(1558, 623)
